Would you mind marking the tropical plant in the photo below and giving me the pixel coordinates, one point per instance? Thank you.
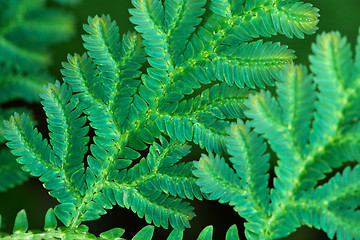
(193, 88)
(313, 127)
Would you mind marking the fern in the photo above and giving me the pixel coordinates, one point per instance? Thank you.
(27, 30)
(313, 127)
(198, 79)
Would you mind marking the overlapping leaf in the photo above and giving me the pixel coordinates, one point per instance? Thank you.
(311, 129)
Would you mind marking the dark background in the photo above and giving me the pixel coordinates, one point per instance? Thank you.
(343, 16)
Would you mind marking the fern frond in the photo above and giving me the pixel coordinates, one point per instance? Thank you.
(331, 64)
(5, 115)
(81, 75)
(251, 64)
(247, 189)
(198, 118)
(306, 128)
(149, 18)
(130, 115)
(266, 116)
(181, 18)
(40, 160)
(219, 180)
(103, 43)
(251, 164)
(154, 206)
(114, 60)
(266, 18)
(334, 205)
(67, 131)
(297, 97)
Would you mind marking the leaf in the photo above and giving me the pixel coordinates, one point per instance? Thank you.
(206, 233)
(112, 233)
(232, 233)
(149, 18)
(175, 235)
(21, 223)
(50, 220)
(145, 233)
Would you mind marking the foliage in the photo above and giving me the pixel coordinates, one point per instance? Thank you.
(27, 30)
(313, 128)
(21, 232)
(195, 85)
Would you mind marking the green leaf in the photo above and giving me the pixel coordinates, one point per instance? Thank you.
(175, 235)
(145, 233)
(232, 233)
(21, 223)
(206, 233)
(112, 234)
(50, 220)
(266, 115)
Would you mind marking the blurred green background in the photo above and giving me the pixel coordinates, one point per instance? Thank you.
(343, 16)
